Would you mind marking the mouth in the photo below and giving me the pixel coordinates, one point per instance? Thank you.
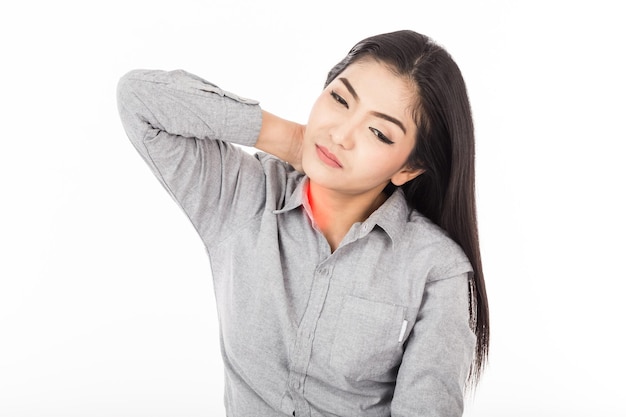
(327, 157)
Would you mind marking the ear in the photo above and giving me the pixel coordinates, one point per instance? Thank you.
(405, 175)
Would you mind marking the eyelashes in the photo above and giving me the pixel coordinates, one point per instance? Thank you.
(339, 99)
(379, 135)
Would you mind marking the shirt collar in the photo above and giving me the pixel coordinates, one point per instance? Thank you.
(391, 216)
(294, 200)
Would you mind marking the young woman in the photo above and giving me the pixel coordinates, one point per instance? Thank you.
(345, 256)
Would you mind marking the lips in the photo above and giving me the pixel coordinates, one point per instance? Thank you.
(327, 157)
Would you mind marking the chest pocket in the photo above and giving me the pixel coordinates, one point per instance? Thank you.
(369, 338)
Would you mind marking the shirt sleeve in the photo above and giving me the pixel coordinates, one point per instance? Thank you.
(438, 353)
(184, 127)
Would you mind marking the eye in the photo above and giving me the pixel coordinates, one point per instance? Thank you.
(339, 99)
(381, 137)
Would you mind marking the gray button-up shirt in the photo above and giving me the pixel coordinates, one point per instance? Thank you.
(379, 327)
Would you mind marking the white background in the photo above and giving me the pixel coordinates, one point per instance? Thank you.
(106, 304)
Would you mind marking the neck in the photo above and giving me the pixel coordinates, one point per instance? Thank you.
(335, 213)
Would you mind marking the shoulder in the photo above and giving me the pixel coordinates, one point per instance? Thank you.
(276, 168)
(434, 247)
(281, 179)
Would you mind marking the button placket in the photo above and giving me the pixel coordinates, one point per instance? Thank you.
(304, 337)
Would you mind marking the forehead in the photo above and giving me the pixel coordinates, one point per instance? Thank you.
(380, 87)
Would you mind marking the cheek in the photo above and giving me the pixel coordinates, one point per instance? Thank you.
(383, 162)
(316, 112)
(324, 115)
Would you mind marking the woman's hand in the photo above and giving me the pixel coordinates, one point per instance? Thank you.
(282, 138)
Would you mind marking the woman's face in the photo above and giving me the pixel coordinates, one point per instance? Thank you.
(361, 131)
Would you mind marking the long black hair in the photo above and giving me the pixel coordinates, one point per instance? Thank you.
(444, 149)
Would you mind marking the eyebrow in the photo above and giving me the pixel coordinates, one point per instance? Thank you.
(375, 113)
(350, 88)
(391, 119)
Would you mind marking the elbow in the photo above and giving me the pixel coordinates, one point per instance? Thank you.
(125, 88)
(131, 108)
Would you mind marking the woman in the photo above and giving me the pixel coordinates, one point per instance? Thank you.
(345, 257)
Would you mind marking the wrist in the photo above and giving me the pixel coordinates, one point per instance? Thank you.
(281, 138)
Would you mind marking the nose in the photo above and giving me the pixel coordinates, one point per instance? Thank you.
(342, 134)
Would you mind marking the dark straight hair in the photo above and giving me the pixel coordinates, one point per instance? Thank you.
(444, 149)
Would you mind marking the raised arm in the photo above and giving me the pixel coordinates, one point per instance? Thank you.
(182, 125)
